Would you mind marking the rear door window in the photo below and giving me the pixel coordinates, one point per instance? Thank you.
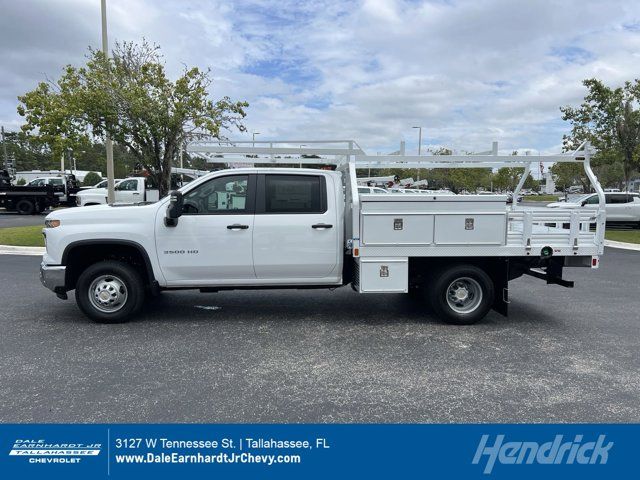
(617, 198)
(295, 194)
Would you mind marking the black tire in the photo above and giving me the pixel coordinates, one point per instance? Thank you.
(40, 207)
(25, 207)
(470, 279)
(122, 285)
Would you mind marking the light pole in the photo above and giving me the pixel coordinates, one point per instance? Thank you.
(4, 150)
(107, 141)
(301, 154)
(419, 147)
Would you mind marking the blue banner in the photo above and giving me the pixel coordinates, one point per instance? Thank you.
(318, 451)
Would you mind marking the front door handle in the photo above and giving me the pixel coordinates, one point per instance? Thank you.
(321, 225)
(237, 226)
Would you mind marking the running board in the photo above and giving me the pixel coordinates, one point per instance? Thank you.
(551, 279)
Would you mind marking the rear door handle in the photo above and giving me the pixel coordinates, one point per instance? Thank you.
(321, 225)
(237, 226)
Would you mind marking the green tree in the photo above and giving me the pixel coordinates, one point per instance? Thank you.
(458, 179)
(609, 118)
(507, 178)
(566, 175)
(28, 153)
(129, 97)
(91, 179)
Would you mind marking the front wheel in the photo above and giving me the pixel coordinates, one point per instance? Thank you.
(462, 295)
(110, 292)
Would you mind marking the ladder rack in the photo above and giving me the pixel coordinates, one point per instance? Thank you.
(348, 157)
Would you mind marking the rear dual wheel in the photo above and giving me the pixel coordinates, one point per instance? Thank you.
(461, 295)
(25, 207)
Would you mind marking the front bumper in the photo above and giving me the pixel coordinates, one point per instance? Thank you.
(53, 277)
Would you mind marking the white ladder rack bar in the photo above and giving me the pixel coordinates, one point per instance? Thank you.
(270, 150)
(277, 147)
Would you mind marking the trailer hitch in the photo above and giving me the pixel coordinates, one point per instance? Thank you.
(550, 277)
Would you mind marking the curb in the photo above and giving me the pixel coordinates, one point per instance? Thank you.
(12, 250)
(622, 245)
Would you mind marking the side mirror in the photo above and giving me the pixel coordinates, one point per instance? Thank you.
(584, 202)
(174, 210)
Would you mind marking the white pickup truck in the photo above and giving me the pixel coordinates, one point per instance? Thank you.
(129, 190)
(255, 228)
(623, 208)
(134, 189)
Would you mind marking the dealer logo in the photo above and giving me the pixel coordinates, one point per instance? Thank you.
(554, 452)
(42, 451)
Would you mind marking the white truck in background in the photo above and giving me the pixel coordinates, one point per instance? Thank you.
(133, 189)
(129, 190)
(254, 228)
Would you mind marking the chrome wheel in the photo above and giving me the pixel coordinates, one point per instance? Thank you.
(108, 293)
(464, 295)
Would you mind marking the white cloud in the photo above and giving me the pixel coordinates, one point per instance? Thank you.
(470, 72)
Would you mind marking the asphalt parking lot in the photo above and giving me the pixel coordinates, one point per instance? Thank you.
(12, 219)
(564, 355)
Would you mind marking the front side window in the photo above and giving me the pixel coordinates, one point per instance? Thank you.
(363, 189)
(593, 200)
(56, 181)
(38, 182)
(294, 194)
(219, 195)
(128, 186)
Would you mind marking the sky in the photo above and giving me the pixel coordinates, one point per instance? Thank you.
(468, 72)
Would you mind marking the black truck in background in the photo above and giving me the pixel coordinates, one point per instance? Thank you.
(25, 200)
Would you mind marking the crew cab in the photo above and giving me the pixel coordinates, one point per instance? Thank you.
(252, 228)
(129, 190)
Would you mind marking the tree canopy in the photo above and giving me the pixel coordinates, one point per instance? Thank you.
(609, 118)
(129, 97)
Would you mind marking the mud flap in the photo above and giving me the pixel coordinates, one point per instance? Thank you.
(501, 287)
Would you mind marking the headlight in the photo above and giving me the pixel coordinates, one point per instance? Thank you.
(51, 223)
